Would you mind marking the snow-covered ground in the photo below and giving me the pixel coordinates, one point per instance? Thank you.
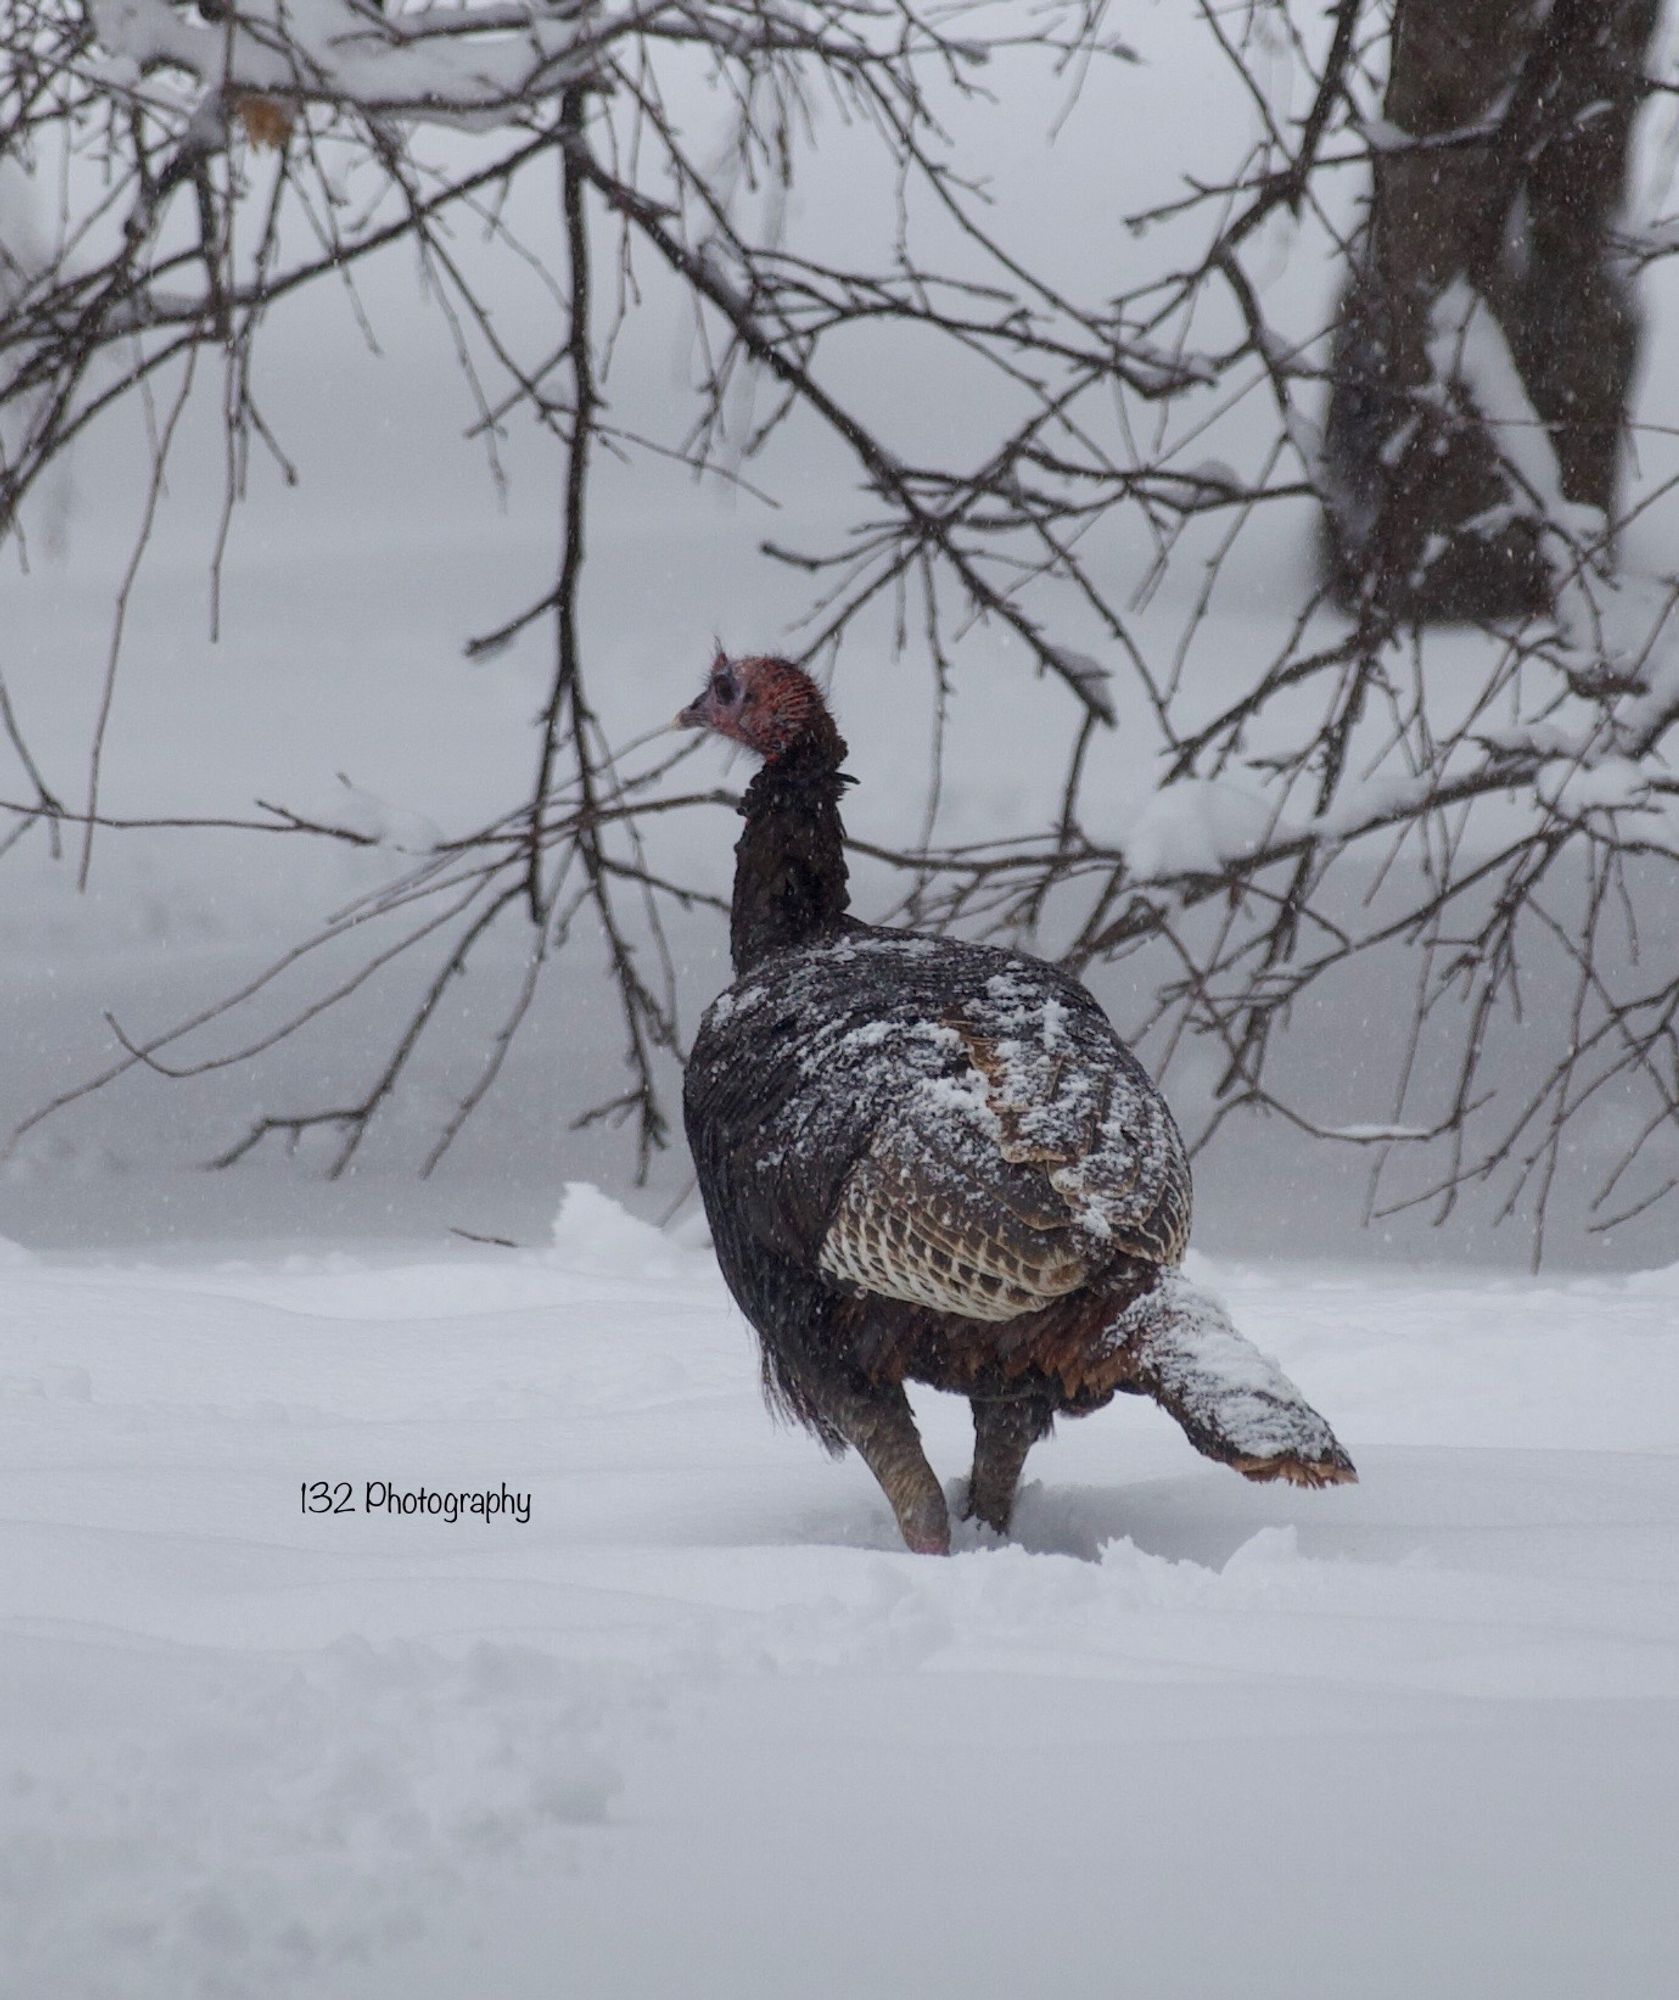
(698, 1726)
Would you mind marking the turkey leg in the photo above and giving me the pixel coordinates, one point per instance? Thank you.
(880, 1427)
(1005, 1430)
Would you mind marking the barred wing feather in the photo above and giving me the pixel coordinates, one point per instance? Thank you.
(962, 1127)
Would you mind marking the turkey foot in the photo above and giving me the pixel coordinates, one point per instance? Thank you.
(1005, 1430)
(880, 1428)
(1233, 1403)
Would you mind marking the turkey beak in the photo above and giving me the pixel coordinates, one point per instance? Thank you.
(693, 716)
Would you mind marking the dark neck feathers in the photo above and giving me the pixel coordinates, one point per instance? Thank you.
(790, 877)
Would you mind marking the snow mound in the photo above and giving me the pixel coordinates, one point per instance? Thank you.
(1661, 1283)
(599, 1238)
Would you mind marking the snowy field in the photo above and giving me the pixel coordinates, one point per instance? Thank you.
(698, 1726)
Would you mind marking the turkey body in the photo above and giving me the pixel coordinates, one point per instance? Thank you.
(925, 1160)
(929, 1160)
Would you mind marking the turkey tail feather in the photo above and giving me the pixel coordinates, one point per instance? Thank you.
(1232, 1402)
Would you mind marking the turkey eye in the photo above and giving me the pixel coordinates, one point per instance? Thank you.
(724, 688)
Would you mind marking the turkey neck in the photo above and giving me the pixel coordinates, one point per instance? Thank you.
(790, 877)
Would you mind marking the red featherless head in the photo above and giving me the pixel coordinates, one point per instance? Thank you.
(768, 705)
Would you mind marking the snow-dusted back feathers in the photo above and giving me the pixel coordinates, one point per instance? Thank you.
(1022, 1148)
(990, 1142)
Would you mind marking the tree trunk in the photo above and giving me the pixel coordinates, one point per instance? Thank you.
(1531, 109)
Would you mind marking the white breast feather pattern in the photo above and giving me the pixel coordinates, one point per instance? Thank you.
(1014, 1146)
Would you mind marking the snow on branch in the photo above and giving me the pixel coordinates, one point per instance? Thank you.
(442, 62)
(472, 65)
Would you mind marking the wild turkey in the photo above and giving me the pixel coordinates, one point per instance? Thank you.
(931, 1161)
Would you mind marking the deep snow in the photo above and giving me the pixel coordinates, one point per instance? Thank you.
(700, 1728)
